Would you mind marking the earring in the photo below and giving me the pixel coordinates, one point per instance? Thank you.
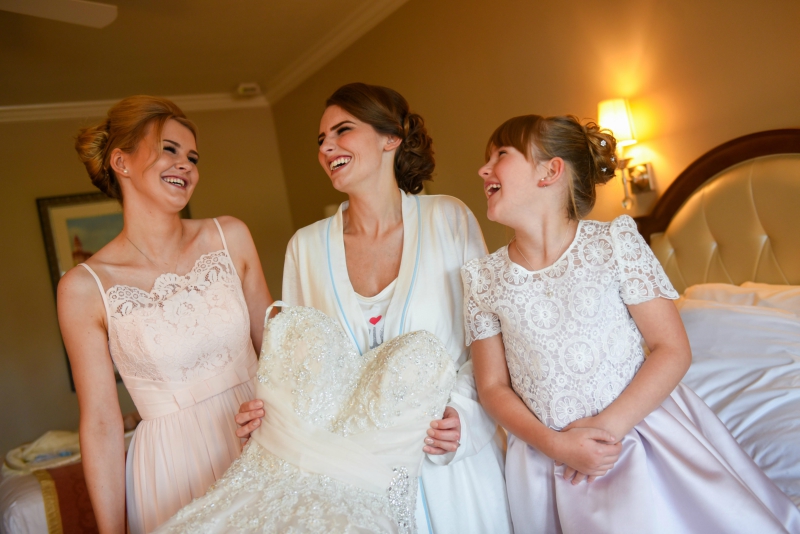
(125, 171)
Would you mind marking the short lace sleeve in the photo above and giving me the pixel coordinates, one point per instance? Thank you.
(479, 321)
(640, 274)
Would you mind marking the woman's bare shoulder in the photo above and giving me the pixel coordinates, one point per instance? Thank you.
(77, 292)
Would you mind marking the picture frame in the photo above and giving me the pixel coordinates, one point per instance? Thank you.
(73, 228)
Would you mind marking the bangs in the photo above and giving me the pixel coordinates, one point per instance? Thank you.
(518, 132)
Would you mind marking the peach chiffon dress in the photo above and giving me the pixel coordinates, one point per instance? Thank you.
(185, 355)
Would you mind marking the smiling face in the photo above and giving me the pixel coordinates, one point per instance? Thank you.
(165, 178)
(351, 151)
(510, 183)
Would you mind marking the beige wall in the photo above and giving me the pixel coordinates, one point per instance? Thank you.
(698, 73)
(240, 175)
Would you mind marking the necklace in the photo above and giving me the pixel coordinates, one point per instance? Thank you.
(547, 288)
(151, 261)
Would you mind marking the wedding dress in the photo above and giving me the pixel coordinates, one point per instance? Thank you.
(340, 447)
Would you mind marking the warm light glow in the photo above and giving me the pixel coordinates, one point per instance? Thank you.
(615, 115)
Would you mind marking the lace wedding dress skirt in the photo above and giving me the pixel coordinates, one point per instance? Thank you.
(341, 444)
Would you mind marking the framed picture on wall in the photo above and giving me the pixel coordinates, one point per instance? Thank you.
(74, 227)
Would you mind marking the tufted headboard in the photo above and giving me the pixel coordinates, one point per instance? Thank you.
(733, 215)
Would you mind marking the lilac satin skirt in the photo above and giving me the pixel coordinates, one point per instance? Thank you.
(680, 471)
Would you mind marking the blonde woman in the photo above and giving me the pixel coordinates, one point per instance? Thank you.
(176, 304)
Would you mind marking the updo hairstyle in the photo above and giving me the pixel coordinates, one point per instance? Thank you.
(587, 149)
(387, 111)
(125, 126)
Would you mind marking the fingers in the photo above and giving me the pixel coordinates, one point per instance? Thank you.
(446, 446)
(591, 479)
(444, 435)
(244, 431)
(579, 477)
(448, 423)
(436, 451)
(242, 418)
(249, 406)
(569, 473)
(598, 434)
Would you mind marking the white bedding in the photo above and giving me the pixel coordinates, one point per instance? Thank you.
(746, 366)
(22, 506)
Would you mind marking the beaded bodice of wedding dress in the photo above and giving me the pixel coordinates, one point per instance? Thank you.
(383, 401)
(571, 345)
(187, 328)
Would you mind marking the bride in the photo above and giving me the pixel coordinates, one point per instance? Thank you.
(384, 268)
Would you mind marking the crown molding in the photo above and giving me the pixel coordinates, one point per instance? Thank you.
(99, 108)
(348, 31)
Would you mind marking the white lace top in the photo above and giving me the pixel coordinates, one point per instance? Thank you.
(571, 345)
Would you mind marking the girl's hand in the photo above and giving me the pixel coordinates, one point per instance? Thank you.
(587, 452)
(249, 418)
(444, 435)
(597, 421)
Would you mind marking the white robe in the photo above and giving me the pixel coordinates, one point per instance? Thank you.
(465, 490)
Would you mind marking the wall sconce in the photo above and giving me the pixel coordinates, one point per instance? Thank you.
(615, 115)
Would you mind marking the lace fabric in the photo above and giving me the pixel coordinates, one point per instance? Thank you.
(377, 406)
(571, 345)
(186, 328)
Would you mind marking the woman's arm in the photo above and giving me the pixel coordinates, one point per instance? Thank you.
(248, 265)
(670, 356)
(588, 450)
(82, 318)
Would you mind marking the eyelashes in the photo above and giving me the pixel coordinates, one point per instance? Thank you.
(171, 149)
(340, 131)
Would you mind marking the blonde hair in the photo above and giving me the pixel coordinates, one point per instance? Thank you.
(586, 148)
(124, 127)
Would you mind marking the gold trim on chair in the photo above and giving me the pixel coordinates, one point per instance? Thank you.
(50, 497)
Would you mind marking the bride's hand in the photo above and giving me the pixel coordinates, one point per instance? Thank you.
(444, 435)
(249, 417)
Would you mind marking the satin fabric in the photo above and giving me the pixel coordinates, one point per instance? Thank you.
(680, 471)
(465, 490)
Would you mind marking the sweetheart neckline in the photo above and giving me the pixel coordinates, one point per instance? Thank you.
(178, 276)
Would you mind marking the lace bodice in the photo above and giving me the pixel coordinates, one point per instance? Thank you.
(571, 345)
(187, 328)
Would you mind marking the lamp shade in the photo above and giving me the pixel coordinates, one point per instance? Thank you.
(615, 114)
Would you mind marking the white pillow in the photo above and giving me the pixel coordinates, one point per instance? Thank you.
(782, 297)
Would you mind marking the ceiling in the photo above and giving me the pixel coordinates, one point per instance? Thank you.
(178, 47)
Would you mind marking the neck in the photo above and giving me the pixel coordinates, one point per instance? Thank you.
(541, 242)
(374, 212)
(154, 233)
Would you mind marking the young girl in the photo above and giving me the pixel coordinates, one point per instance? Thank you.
(574, 301)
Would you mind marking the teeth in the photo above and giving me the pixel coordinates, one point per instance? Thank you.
(491, 188)
(176, 181)
(338, 162)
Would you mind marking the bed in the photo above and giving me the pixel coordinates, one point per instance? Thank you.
(727, 232)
